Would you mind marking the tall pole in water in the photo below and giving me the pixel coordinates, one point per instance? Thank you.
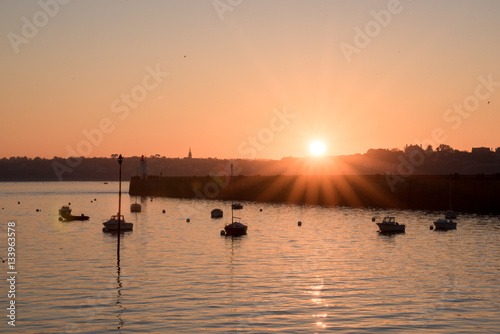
(120, 160)
(232, 194)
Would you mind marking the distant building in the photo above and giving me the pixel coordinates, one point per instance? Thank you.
(144, 168)
(190, 155)
(481, 150)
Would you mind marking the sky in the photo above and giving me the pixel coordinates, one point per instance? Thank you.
(246, 79)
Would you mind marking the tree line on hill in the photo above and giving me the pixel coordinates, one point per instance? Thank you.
(412, 160)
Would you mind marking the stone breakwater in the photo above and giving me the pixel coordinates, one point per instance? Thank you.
(466, 193)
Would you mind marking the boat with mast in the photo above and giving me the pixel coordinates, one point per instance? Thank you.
(117, 222)
(448, 222)
(445, 224)
(236, 228)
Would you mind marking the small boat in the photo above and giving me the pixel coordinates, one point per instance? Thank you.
(135, 207)
(80, 217)
(65, 213)
(389, 225)
(216, 213)
(450, 214)
(445, 224)
(236, 228)
(112, 224)
(236, 206)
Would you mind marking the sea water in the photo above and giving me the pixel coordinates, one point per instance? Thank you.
(335, 273)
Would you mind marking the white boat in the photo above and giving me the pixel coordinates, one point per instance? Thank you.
(112, 224)
(445, 224)
(389, 225)
(216, 213)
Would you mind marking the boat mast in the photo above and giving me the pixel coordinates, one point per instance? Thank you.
(120, 160)
(232, 193)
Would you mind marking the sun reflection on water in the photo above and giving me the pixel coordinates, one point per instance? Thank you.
(316, 292)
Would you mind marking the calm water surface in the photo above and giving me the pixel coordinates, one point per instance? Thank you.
(335, 273)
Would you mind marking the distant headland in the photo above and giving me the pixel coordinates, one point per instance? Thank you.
(412, 160)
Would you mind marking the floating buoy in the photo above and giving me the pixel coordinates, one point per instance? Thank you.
(37, 210)
(260, 210)
(299, 223)
(373, 219)
(69, 203)
(91, 201)
(163, 211)
(222, 232)
(431, 227)
(95, 199)
(188, 220)
(18, 202)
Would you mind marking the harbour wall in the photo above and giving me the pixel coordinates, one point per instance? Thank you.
(463, 193)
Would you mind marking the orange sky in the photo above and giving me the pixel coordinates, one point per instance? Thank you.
(255, 79)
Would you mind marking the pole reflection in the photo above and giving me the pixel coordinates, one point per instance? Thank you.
(118, 303)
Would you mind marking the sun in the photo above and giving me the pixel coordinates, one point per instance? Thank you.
(317, 148)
